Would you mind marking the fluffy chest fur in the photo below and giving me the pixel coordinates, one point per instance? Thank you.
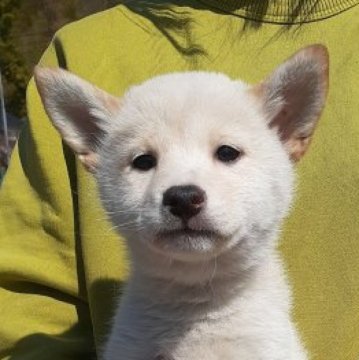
(239, 322)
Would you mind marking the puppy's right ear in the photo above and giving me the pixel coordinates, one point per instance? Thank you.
(79, 111)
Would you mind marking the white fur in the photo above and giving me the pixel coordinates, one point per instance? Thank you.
(221, 296)
(222, 299)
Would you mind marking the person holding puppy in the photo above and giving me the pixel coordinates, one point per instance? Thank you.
(61, 264)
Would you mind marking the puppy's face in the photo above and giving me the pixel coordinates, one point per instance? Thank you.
(190, 165)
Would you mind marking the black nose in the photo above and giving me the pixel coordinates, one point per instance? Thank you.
(184, 201)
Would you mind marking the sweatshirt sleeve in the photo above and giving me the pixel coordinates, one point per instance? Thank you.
(43, 307)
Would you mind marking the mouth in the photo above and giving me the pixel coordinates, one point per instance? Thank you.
(188, 244)
(187, 232)
(185, 243)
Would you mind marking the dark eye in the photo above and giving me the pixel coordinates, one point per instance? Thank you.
(144, 162)
(227, 153)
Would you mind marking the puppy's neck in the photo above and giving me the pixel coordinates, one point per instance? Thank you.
(213, 282)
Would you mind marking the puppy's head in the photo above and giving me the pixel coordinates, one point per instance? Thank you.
(190, 165)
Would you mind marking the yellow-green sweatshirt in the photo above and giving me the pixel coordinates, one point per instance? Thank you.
(60, 263)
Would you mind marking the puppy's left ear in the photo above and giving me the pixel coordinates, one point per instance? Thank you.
(293, 97)
(81, 112)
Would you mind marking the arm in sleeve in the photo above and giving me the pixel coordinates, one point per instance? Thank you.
(43, 307)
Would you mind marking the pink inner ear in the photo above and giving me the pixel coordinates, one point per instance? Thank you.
(85, 123)
(295, 95)
(300, 110)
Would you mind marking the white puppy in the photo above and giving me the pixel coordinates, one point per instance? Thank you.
(196, 170)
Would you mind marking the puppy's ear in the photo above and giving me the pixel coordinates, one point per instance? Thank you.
(80, 111)
(293, 97)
